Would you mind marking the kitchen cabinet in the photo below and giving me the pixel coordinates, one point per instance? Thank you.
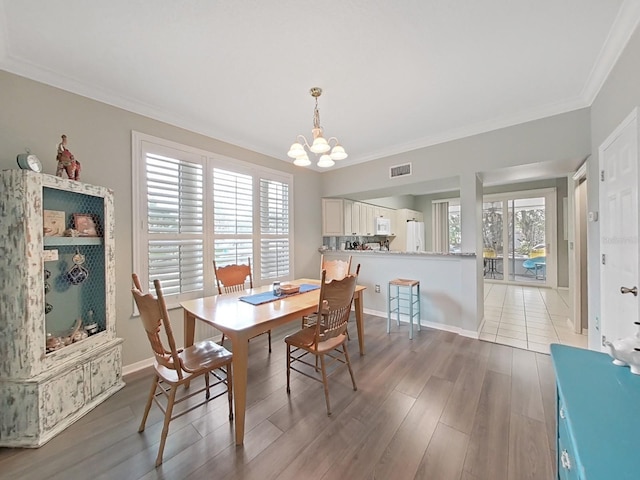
(389, 213)
(348, 216)
(367, 222)
(344, 217)
(333, 217)
(57, 284)
(356, 219)
(597, 416)
(406, 214)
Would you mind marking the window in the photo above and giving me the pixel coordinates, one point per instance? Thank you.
(192, 206)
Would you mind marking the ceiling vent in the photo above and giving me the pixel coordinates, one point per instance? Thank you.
(400, 170)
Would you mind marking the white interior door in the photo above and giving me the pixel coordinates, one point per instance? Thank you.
(619, 230)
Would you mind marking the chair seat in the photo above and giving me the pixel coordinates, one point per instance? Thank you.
(203, 354)
(304, 339)
(197, 358)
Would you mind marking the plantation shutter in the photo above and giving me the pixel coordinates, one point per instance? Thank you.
(274, 229)
(175, 190)
(232, 217)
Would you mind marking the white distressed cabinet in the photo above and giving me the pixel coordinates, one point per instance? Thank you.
(44, 390)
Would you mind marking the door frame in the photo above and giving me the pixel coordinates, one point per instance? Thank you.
(631, 119)
(551, 236)
(575, 250)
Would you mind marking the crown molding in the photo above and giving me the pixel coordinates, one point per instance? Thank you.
(530, 115)
(623, 27)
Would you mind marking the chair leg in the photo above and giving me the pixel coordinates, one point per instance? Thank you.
(230, 390)
(325, 383)
(288, 367)
(346, 356)
(148, 405)
(269, 341)
(222, 340)
(207, 385)
(167, 420)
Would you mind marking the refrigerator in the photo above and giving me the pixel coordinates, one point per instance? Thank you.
(415, 237)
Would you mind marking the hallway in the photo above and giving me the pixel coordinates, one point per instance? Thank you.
(528, 317)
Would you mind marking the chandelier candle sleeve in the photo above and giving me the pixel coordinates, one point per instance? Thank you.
(319, 146)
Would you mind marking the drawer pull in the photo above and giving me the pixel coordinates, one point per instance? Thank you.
(562, 414)
(565, 460)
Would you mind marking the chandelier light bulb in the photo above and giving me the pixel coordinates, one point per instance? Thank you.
(338, 153)
(296, 150)
(302, 161)
(320, 145)
(325, 161)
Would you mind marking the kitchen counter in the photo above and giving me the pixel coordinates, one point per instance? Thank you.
(394, 252)
(448, 284)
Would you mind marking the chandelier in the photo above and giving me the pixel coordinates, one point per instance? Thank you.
(320, 145)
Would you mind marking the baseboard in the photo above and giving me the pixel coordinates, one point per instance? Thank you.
(436, 326)
(136, 367)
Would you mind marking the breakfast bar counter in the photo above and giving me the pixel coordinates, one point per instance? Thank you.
(448, 284)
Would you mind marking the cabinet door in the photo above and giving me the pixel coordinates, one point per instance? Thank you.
(356, 218)
(332, 217)
(366, 220)
(348, 217)
(392, 216)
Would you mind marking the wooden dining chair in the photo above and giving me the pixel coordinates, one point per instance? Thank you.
(328, 337)
(233, 278)
(310, 320)
(175, 367)
(336, 269)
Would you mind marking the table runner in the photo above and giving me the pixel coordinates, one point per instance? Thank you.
(265, 297)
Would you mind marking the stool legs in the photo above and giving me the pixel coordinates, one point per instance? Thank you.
(413, 305)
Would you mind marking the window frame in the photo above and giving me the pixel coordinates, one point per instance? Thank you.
(141, 145)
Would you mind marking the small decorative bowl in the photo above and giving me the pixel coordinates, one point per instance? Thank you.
(288, 289)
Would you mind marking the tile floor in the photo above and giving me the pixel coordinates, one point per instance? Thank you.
(528, 317)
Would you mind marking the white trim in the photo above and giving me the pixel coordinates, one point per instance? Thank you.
(621, 31)
(428, 324)
(137, 366)
(140, 144)
(616, 133)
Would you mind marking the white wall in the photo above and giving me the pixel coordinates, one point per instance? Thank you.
(445, 303)
(34, 115)
(562, 138)
(619, 95)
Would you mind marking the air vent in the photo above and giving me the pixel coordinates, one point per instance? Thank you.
(400, 170)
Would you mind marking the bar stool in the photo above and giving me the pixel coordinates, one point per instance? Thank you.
(407, 297)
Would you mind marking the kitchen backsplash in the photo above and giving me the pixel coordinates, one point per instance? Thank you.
(354, 242)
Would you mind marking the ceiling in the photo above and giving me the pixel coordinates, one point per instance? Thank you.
(396, 75)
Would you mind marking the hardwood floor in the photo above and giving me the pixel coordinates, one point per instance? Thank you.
(438, 407)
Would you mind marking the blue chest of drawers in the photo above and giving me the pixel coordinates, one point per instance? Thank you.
(598, 415)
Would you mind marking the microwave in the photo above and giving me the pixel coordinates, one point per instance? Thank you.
(383, 226)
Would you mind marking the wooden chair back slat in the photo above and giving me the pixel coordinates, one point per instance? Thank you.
(336, 269)
(335, 305)
(233, 278)
(155, 317)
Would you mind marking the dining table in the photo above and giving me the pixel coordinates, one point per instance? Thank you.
(240, 321)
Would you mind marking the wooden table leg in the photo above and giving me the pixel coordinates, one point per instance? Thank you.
(240, 357)
(189, 329)
(359, 307)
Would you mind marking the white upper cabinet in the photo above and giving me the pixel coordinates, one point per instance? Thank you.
(332, 217)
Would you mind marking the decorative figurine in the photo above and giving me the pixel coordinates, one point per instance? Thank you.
(67, 162)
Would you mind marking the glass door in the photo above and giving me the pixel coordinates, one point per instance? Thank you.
(493, 239)
(518, 229)
(526, 240)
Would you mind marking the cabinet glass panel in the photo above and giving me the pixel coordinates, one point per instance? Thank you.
(74, 265)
